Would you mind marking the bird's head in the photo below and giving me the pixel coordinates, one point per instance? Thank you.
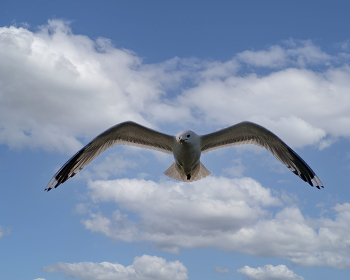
(187, 136)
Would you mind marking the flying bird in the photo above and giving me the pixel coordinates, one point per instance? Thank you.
(186, 148)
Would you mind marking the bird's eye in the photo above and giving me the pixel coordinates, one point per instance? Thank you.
(188, 135)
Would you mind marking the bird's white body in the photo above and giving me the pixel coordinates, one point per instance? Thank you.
(187, 153)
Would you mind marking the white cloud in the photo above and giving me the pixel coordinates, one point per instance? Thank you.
(269, 272)
(289, 100)
(143, 268)
(296, 53)
(39, 279)
(57, 87)
(304, 53)
(345, 45)
(236, 169)
(297, 131)
(274, 57)
(113, 164)
(221, 270)
(176, 214)
(227, 214)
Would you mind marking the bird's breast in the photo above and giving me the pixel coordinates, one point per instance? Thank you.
(187, 156)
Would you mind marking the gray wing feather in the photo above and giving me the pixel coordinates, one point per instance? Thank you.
(127, 133)
(251, 133)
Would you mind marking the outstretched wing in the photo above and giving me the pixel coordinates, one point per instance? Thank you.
(251, 133)
(127, 133)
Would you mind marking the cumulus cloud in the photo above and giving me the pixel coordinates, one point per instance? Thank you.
(269, 272)
(174, 214)
(273, 101)
(57, 87)
(228, 214)
(143, 268)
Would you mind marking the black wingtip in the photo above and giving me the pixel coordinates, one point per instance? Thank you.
(52, 184)
(319, 186)
(315, 181)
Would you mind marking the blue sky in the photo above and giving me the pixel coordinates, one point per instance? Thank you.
(71, 69)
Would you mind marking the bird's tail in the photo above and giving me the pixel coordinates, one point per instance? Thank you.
(175, 172)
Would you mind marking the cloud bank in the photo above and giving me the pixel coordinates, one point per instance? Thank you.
(143, 268)
(57, 87)
(237, 215)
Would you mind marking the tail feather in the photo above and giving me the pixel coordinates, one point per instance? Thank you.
(175, 172)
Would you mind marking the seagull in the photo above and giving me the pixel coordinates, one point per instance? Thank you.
(186, 148)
